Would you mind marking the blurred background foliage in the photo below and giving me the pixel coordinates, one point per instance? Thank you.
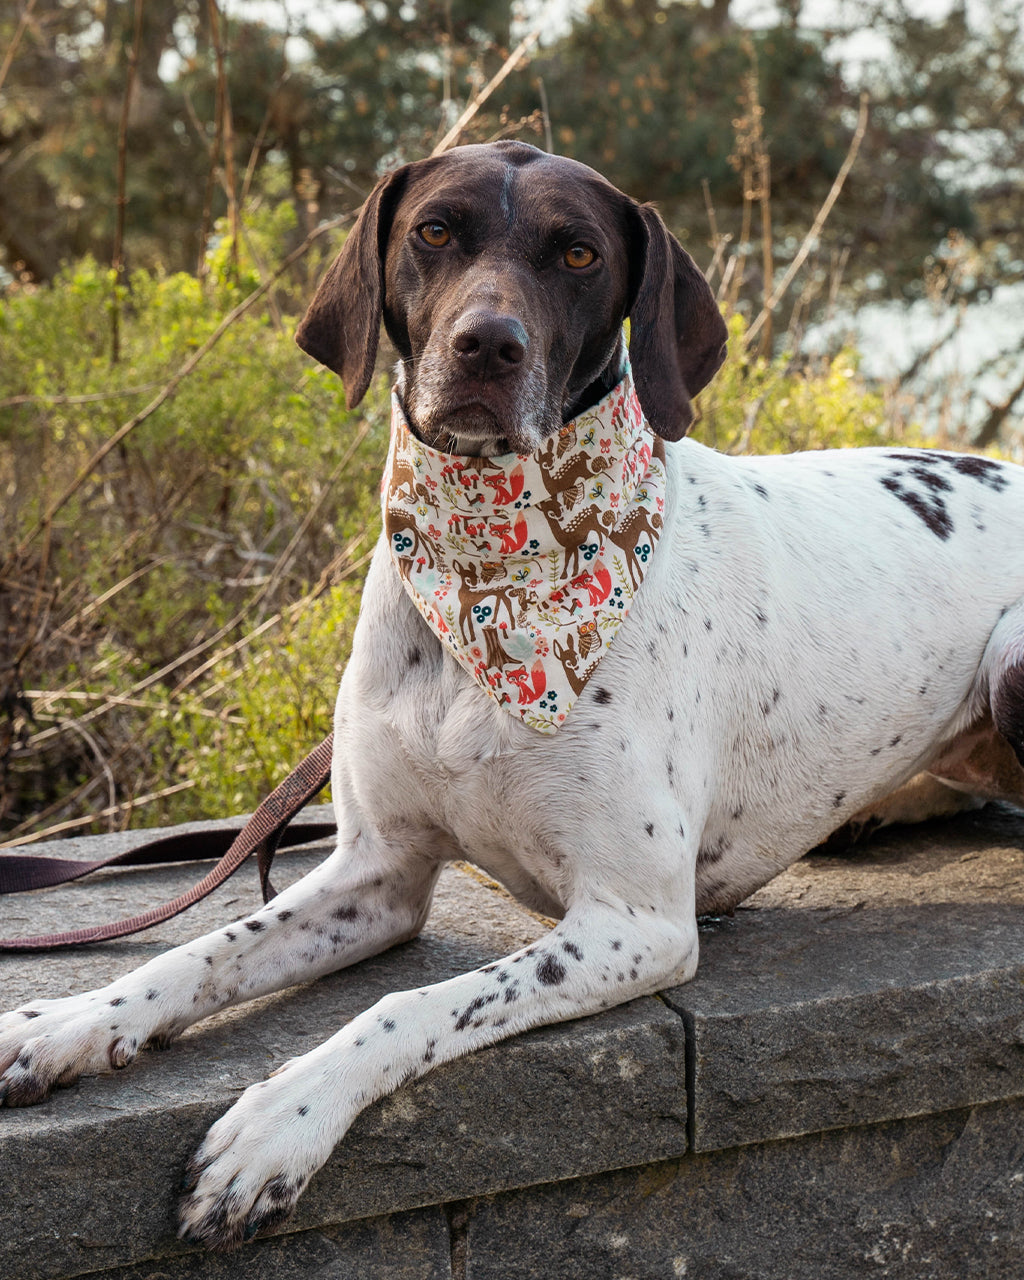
(188, 507)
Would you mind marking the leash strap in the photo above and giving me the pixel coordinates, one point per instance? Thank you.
(263, 834)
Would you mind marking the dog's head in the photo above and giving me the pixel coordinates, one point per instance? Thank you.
(503, 275)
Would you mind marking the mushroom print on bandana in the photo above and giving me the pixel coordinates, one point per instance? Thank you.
(525, 566)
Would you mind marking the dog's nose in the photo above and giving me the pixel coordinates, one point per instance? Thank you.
(489, 344)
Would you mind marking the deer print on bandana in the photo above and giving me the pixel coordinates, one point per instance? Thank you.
(525, 566)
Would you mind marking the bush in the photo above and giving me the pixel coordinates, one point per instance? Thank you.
(178, 630)
(781, 405)
(251, 488)
(258, 713)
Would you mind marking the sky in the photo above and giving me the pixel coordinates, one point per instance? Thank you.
(555, 13)
(864, 45)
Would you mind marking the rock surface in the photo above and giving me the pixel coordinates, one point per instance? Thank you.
(838, 1093)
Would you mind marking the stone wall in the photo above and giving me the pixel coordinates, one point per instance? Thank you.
(838, 1094)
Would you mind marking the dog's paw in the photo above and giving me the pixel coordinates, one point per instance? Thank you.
(256, 1160)
(49, 1044)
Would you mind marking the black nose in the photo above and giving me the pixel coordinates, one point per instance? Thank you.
(489, 344)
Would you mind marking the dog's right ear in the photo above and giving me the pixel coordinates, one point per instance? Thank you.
(342, 325)
(677, 334)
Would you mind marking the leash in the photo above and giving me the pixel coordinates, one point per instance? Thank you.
(263, 834)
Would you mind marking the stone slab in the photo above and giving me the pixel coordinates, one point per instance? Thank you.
(885, 984)
(87, 1179)
(400, 1246)
(849, 991)
(937, 1198)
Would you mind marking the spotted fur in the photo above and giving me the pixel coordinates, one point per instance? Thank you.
(822, 643)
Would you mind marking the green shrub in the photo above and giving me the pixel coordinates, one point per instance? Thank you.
(781, 405)
(182, 626)
(258, 713)
(251, 488)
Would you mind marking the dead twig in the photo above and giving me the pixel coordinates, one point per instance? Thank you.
(43, 700)
(286, 556)
(510, 64)
(111, 811)
(820, 219)
(549, 142)
(225, 131)
(110, 702)
(719, 242)
(12, 48)
(13, 402)
(997, 415)
(121, 200)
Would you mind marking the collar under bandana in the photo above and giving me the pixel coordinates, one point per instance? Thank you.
(526, 565)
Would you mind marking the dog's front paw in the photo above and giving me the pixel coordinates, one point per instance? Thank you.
(50, 1043)
(256, 1160)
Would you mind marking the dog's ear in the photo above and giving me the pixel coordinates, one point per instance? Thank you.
(676, 332)
(341, 327)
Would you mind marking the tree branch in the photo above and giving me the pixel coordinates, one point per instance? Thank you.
(998, 414)
(819, 221)
(508, 66)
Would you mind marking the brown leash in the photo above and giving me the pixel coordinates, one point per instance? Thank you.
(263, 835)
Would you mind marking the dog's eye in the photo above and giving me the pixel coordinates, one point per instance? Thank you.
(436, 234)
(579, 256)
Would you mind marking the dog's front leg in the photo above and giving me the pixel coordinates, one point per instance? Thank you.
(364, 898)
(257, 1159)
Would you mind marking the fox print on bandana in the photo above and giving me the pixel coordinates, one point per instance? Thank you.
(525, 566)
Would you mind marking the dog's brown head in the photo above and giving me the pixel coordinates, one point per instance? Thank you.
(503, 275)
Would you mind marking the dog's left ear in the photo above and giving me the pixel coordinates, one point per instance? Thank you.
(341, 328)
(676, 332)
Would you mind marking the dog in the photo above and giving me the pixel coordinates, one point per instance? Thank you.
(819, 643)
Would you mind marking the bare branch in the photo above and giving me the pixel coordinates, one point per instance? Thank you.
(225, 130)
(510, 64)
(997, 415)
(12, 48)
(117, 256)
(115, 810)
(819, 221)
(12, 402)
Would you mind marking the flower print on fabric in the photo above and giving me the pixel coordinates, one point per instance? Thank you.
(525, 566)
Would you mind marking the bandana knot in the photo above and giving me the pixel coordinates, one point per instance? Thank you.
(526, 565)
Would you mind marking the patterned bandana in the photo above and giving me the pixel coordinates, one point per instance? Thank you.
(523, 565)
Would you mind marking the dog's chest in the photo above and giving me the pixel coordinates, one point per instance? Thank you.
(777, 672)
(422, 743)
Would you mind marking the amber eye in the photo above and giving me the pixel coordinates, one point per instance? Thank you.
(579, 256)
(436, 234)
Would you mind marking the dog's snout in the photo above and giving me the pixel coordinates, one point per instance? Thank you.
(490, 344)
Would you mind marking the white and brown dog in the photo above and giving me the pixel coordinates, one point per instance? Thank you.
(811, 634)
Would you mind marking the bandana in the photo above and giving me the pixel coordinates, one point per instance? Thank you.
(525, 566)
